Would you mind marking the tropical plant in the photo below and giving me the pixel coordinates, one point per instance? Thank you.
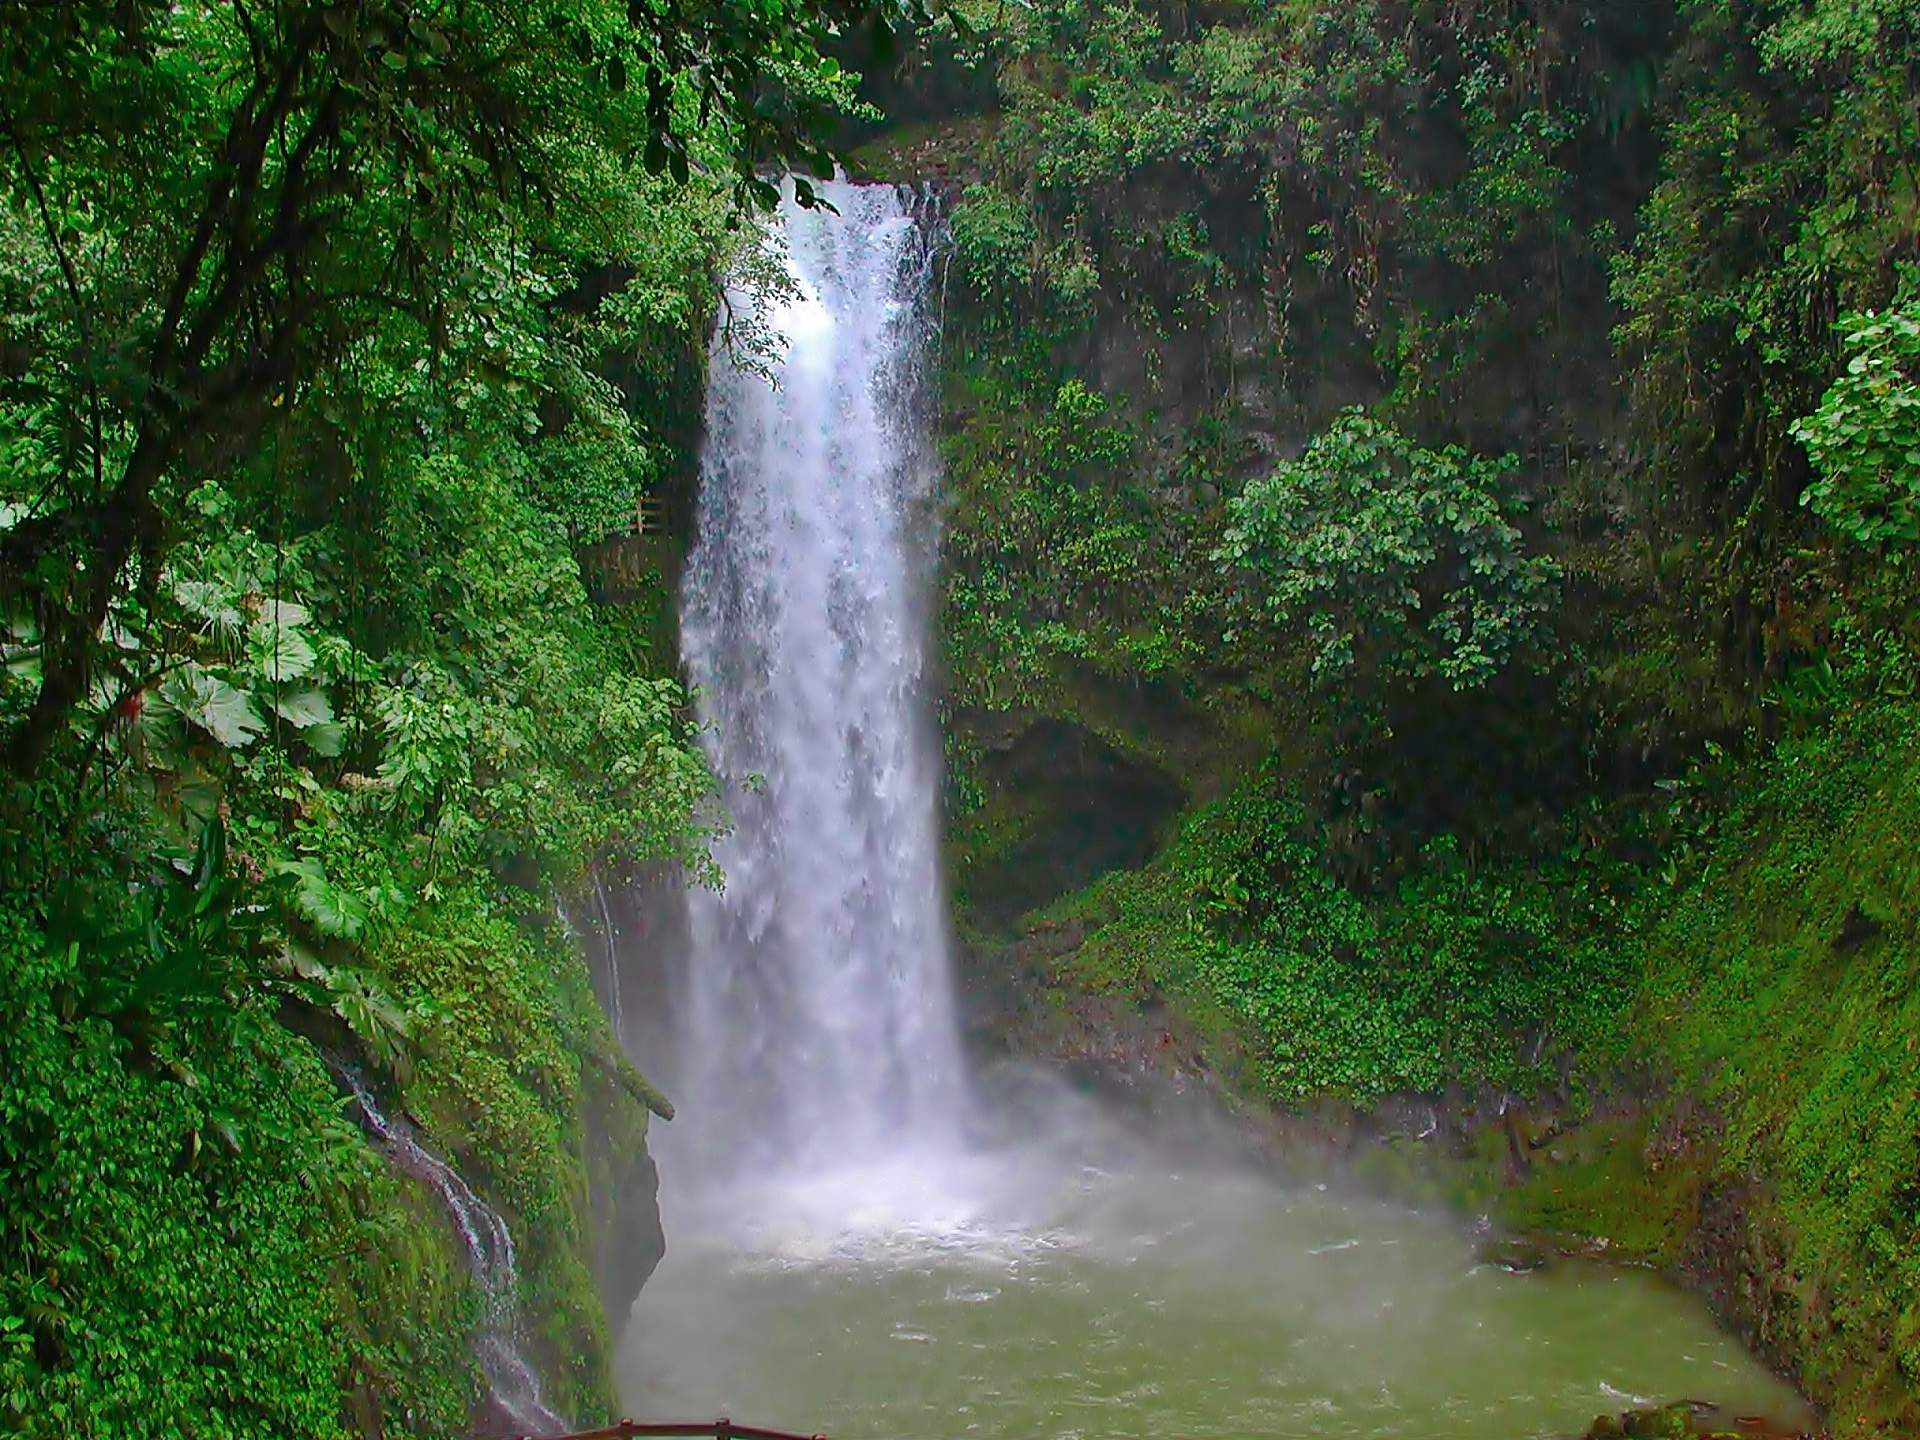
(1394, 560)
(1865, 437)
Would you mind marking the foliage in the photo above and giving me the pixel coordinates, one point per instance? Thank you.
(222, 1337)
(995, 238)
(331, 336)
(1865, 437)
(1394, 178)
(1400, 561)
(1604, 241)
(362, 798)
(1780, 990)
(1458, 976)
(1287, 210)
(215, 210)
(1056, 557)
(177, 1175)
(1787, 198)
(1443, 211)
(510, 1026)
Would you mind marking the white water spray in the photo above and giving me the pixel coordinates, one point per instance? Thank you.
(820, 1031)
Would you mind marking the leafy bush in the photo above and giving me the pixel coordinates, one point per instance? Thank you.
(1399, 561)
(995, 239)
(1865, 437)
(184, 1199)
(1054, 560)
(1458, 975)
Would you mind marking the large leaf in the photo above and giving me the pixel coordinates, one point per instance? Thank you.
(299, 961)
(303, 708)
(329, 738)
(283, 613)
(280, 652)
(20, 650)
(212, 602)
(334, 910)
(222, 710)
(374, 1017)
(25, 666)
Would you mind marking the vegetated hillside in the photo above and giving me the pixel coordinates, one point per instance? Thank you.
(1411, 464)
(1775, 1004)
(338, 345)
(1781, 991)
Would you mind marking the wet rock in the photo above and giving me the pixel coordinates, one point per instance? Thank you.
(1536, 1250)
(1688, 1420)
(623, 1185)
(1517, 1255)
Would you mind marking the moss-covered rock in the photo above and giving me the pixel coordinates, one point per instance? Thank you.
(521, 1085)
(1783, 991)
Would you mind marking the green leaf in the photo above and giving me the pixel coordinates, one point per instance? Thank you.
(373, 1016)
(210, 602)
(333, 909)
(25, 667)
(284, 613)
(303, 709)
(224, 711)
(328, 738)
(211, 858)
(303, 963)
(280, 652)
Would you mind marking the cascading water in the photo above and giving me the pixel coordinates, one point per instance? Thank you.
(616, 1011)
(840, 1260)
(820, 1028)
(511, 1379)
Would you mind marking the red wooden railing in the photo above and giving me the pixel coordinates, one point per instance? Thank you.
(721, 1429)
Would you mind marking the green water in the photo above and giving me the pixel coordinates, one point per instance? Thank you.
(1073, 1290)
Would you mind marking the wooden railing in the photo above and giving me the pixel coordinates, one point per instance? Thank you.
(650, 518)
(721, 1429)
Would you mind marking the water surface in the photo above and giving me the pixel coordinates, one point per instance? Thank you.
(1087, 1283)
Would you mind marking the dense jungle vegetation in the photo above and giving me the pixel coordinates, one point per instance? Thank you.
(338, 345)
(1427, 606)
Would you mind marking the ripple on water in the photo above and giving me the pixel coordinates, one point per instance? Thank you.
(1023, 1293)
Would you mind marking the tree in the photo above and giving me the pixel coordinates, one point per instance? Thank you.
(212, 205)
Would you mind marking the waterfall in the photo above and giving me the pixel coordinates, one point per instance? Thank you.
(511, 1379)
(818, 1026)
(616, 1012)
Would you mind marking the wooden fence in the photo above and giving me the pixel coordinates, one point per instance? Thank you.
(721, 1429)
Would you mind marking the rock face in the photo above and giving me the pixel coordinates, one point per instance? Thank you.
(623, 1183)
(1072, 808)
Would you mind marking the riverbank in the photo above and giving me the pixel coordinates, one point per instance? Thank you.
(1745, 1123)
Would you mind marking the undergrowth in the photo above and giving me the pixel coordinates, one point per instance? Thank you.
(1306, 987)
(1783, 989)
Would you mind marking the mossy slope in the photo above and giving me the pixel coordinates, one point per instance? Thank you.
(1781, 993)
